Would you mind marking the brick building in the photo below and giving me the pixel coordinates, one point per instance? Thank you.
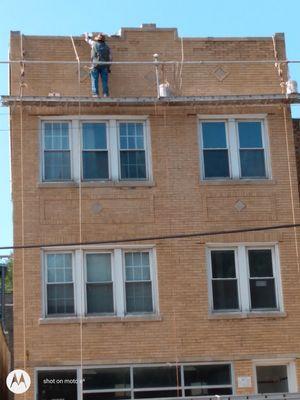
(187, 316)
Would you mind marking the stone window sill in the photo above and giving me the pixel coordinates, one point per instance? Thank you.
(92, 184)
(240, 315)
(234, 182)
(99, 319)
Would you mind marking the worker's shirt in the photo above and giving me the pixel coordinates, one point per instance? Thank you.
(92, 43)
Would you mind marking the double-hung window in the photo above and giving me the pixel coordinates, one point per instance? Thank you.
(107, 282)
(59, 283)
(96, 150)
(234, 148)
(56, 151)
(244, 278)
(132, 150)
(99, 283)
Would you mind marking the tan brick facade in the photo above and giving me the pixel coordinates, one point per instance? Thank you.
(177, 201)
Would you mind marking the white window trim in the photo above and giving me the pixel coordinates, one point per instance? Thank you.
(233, 144)
(291, 371)
(75, 140)
(45, 284)
(42, 147)
(242, 274)
(79, 279)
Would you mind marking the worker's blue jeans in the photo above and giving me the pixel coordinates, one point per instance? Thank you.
(101, 70)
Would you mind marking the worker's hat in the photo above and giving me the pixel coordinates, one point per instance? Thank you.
(100, 37)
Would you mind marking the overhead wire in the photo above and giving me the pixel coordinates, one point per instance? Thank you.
(150, 238)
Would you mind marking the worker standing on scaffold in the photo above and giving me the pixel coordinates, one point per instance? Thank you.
(100, 52)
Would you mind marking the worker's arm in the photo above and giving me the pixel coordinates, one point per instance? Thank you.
(88, 39)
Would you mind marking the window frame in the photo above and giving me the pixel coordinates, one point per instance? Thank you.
(146, 145)
(233, 146)
(45, 285)
(152, 280)
(243, 276)
(43, 150)
(108, 149)
(76, 148)
(291, 371)
(117, 268)
(182, 387)
(85, 282)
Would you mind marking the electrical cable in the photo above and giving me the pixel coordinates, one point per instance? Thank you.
(151, 238)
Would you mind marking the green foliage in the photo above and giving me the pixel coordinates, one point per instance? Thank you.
(8, 277)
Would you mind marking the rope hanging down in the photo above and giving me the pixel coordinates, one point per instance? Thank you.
(80, 214)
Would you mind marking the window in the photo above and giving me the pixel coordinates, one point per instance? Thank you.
(60, 287)
(234, 148)
(96, 150)
(57, 384)
(207, 380)
(132, 150)
(99, 284)
(138, 282)
(244, 278)
(276, 378)
(114, 282)
(57, 161)
(156, 381)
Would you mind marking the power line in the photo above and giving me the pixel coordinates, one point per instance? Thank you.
(147, 238)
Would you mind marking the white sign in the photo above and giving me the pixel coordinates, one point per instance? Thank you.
(18, 381)
(244, 381)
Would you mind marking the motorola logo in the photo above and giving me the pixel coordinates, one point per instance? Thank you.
(18, 381)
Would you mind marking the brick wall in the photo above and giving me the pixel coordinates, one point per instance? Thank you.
(177, 201)
(296, 127)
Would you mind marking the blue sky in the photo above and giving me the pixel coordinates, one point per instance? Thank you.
(191, 17)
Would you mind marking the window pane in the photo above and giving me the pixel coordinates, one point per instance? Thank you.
(216, 163)
(57, 385)
(57, 165)
(155, 394)
(208, 392)
(95, 164)
(99, 298)
(252, 163)
(223, 263)
(133, 164)
(106, 378)
(207, 375)
(98, 267)
(250, 134)
(59, 268)
(139, 297)
(225, 294)
(56, 136)
(137, 266)
(131, 135)
(94, 136)
(214, 135)
(272, 379)
(260, 263)
(151, 377)
(119, 395)
(263, 293)
(60, 298)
